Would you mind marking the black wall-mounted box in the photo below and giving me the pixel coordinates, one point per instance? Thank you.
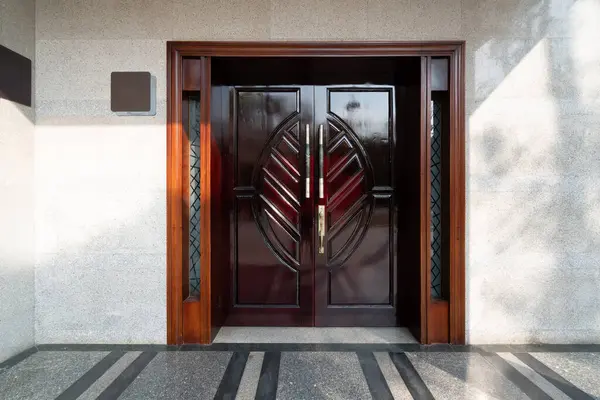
(15, 77)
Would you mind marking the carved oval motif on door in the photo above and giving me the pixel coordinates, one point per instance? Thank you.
(276, 205)
(349, 180)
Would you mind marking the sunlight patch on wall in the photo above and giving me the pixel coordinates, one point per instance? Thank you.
(16, 186)
(513, 132)
(584, 24)
(509, 68)
(100, 188)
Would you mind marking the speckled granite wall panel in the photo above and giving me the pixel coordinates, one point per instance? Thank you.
(533, 90)
(17, 32)
(100, 227)
(533, 177)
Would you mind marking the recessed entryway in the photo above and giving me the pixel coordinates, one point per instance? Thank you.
(301, 187)
(311, 154)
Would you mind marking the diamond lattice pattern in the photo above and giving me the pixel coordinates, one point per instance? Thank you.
(436, 200)
(194, 133)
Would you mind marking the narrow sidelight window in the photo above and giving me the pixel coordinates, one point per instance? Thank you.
(439, 165)
(436, 199)
(194, 207)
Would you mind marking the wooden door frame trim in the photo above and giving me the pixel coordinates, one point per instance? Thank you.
(455, 50)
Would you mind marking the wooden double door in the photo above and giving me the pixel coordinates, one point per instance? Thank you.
(312, 210)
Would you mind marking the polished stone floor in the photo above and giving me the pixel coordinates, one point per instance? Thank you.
(252, 334)
(303, 371)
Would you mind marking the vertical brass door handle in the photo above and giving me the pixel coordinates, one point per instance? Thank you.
(307, 188)
(321, 158)
(321, 227)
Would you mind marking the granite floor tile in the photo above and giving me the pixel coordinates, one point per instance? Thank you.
(534, 377)
(378, 386)
(113, 372)
(269, 376)
(129, 374)
(46, 374)
(580, 369)
(392, 377)
(463, 376)
(230, 382)
(328, 375)
(249, 382)
(235, 334)
(299, 374)
(91, 376)
(410, 376)
(179, 375)
(517, 378)
(14, 360)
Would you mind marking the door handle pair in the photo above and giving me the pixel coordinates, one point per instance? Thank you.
(321, 163)
(320, 208)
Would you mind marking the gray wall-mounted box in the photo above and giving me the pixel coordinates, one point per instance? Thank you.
(133, 93)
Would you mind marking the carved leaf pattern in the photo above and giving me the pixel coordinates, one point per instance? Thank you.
(277, 204)
(349, 180)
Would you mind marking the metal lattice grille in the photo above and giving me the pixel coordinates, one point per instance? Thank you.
(436, 200)
(194, 132)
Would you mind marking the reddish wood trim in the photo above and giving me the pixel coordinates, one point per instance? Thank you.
(425, 190)
(192, 74)
(191, 305)
(174, 220)
(192, 323)
(438, 320)
(457, 197)
(205, 203)
(266, 49)
(176, 50)
(437, 324)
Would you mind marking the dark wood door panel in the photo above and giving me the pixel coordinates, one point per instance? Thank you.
(366, 276)
(272, 271)
(355, 275)
(278, 276)
(262, 278)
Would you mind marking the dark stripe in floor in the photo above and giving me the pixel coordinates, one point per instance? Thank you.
(375, 380)
(346, 347)
(230, 382)
(269, 377)
(14, 360)
(88, 379)
(518, 379)
(411, 377)
(555, 348)
(118, 386)
(553, 377)
(107, 347)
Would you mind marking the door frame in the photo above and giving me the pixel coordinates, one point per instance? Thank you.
(189, 320)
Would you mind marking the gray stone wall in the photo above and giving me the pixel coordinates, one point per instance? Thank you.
(533, 186)
(17, 32)
(533, 111)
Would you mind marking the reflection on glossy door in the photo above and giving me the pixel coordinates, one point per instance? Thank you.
(354, 278)
(272, 267)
